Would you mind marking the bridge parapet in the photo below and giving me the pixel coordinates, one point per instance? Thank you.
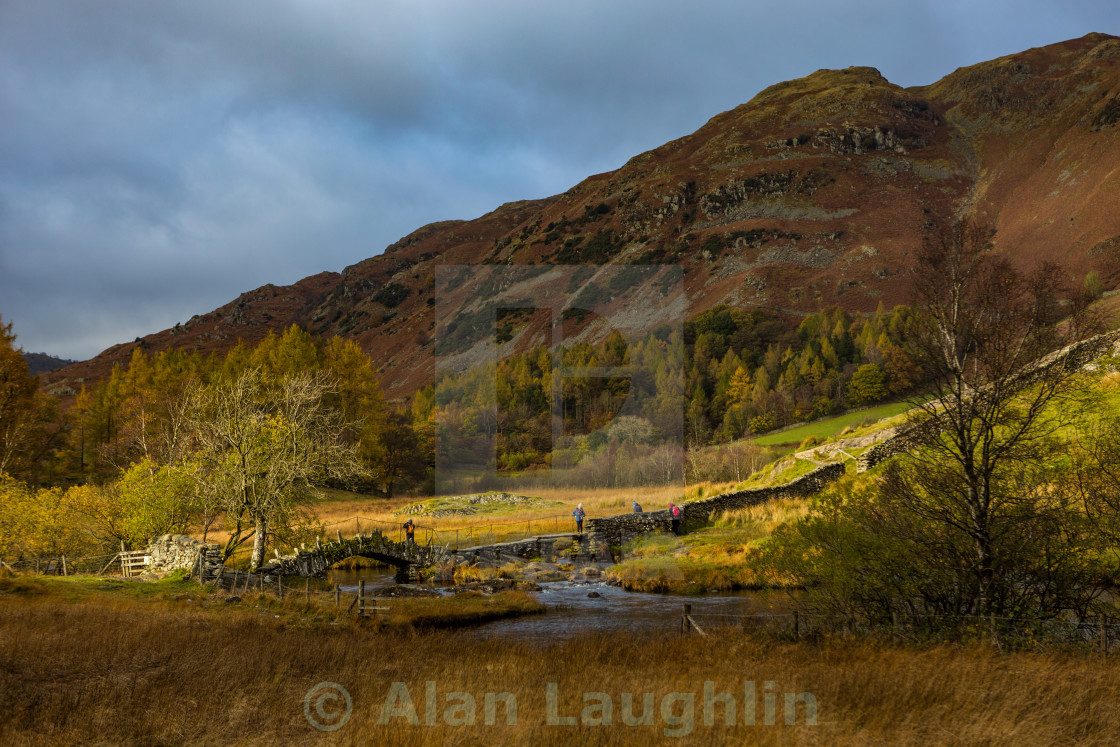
(316, 560)
(568, 545)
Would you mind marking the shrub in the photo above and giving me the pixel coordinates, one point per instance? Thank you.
(391, 295)
(1093, 287)
(809, 442)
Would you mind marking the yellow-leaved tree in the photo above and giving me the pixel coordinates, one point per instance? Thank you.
(260, 447)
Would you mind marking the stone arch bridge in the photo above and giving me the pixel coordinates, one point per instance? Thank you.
(407, 557)
(601, 533)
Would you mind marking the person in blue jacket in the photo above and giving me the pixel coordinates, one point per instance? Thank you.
(637, 508)
(579, 514)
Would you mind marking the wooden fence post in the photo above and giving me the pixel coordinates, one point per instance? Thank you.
(121, 556)
(796, 625)
(361, 596)
(236, 578)
(262, 583)
(337, 595)
(1104, 634)
(280, 586)
(684, 619)
(307, 589)
(64, 573)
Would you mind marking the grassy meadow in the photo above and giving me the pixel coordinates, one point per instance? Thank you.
(350, 513)
(711, 556)
(94, 661)
(855, 420)
(154, 666)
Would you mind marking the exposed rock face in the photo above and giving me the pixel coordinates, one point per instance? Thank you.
(467, 503)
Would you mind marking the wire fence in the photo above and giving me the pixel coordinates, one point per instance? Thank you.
(488, 533)
(1098, 631)
(459, 537)
(215, 577)
(62, 565)
(238, 583)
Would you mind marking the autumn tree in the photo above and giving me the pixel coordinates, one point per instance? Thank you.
(24, 413)
(1096, 475)
(868, 385)
(39, 522)
(974, 520)
(988, 426)
(260, 447)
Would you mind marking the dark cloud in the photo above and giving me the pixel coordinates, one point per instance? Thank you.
(160, 158)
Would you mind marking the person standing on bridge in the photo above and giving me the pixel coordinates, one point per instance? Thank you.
(675, 517)
(410, 532)
(579, 515)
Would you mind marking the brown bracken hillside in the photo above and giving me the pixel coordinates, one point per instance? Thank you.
(814, 194)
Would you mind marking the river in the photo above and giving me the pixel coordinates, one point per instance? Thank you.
(572, 613)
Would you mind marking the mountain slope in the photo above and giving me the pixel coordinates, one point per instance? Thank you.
(816, 193)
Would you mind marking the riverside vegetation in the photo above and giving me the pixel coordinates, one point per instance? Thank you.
(149, 668)
(1005, 507)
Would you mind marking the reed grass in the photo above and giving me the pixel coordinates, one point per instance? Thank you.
(718, 554)
(124, 670)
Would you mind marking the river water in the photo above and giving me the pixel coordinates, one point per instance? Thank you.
(573, 614)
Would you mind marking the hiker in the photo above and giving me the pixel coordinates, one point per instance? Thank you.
(579, 513)
(410, 532)
(675, 516)
(637, 508)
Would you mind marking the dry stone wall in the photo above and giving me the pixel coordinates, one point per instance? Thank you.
(550, 547)
(178, 551)
(1069, 358)
(614, 527)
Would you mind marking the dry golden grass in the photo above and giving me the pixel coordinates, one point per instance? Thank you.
(349, 513)
(718, 554)
(127, 671)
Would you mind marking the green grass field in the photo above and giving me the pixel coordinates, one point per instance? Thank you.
(830, 427)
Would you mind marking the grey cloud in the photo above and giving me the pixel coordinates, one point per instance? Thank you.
(161, 157)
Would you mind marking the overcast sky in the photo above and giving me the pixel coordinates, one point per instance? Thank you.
(157, 158)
